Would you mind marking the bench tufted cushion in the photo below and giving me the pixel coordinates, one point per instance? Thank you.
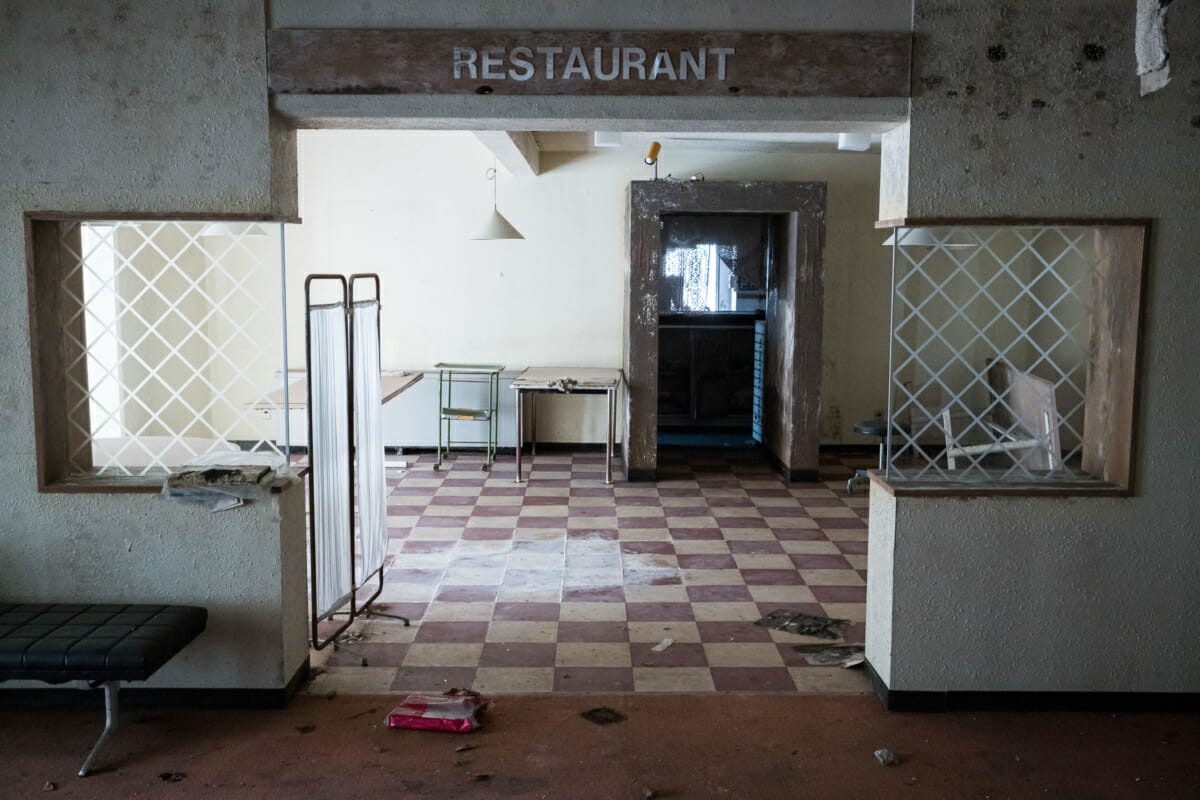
(57, 642)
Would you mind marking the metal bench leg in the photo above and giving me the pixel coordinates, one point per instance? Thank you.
(112, 709)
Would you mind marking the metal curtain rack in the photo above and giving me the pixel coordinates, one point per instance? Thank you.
(333, 488)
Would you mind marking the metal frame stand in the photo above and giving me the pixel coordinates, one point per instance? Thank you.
(112, 711)
(448, 414)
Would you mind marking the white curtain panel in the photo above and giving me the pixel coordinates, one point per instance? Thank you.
(329, 455)
(370, 479)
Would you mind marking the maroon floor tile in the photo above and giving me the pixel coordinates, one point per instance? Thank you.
(799, 534)
(406, 511)
(687, 511)
(517, 654)
(772, 577)
(377, 654)
(544, 500)
(783, 511)
(706, 561)
(648, 548)
(594, 594)
(592, 491)
(456, 480)
(841, 523)
(486, 534)
(451, 632)
(526, 612)
(755, 548)
(399, 533)
(440, 522)
(588, 631)
(659, 612)
(411, 611)
(862, 573)
(840, 594)
(719, 594)
(719, 483)
(730, 502)
(502, 491)
(651, 576)
(412, 490)
(739, 632)
(467, 594)
(672, 491)
(452, 500)
(636, 523)
(812, 609)
(743, 522)
(752, 679)
(534, 481)
(676, 655)
(591, 511)
(696, 534)
(780, 492)
(857, 548)
(431, 679)
(593, 679)
(819, 561)
(495, 511)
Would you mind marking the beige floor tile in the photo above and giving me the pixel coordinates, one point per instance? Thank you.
(830, 680)
(766, 503)
(387, 631)
(824, 512)
(736, 654)
(448, 511)
(499, 500)
(435, 534)
(522, 560)
(458, 612)
(432, 483)
(763, 483)
(475, 547)
(588, 502)
(683, 502)
(592, 577)
(735, 511)
(644, 535)
(656, 594)
(407, 592)
(672, 679)
(546, 491)
(701, 547)
(640, 511)
(782, 594)
(636, 491)
(523, 632)
(711, 577)
(493, 522)
(591, 612)
(581, 523)
(817, 493)
(855, 612)
(857, 560)
(831, 577)
(810, 548)
(456, 491)
(422, 560)
(725, 612)
(352, 680)
(592, 654)
(513, 680)
(682, 632)
(783, 637)
(399, 521)
(443, 655)
(473, 576)
(763, 561)
(791, 522)
(592, 547)
(678, 483)
(748, 534)
(847, 534)
(543, 511)
(649, 561)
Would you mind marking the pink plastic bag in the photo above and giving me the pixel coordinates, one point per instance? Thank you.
(454, 711)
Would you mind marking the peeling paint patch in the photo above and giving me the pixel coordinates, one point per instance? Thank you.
(1153, 58)
(997, 52)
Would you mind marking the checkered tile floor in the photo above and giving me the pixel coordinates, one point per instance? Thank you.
(563, 584)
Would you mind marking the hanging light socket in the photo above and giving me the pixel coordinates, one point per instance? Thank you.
(495, 226)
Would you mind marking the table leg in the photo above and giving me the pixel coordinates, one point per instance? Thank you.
(608, 442)
(520, 432)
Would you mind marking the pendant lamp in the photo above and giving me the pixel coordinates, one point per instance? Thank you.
(495, 226)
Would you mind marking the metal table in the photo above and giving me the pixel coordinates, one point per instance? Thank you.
(567, 380)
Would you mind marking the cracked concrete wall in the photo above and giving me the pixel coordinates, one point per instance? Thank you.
(159, 108)
(1024, 109)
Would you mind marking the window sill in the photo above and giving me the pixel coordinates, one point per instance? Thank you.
(942, 488)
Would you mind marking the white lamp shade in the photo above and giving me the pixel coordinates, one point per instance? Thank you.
(496, 227)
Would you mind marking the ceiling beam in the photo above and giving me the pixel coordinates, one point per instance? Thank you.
(515, 150)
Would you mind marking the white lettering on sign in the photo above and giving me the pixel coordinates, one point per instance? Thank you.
(630, 63)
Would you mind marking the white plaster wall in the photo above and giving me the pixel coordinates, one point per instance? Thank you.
(402, 203)
(1062, 594)
(880, 591)
(158, 108)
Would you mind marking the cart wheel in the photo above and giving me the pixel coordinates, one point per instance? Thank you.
(486, 467)
(437, 467)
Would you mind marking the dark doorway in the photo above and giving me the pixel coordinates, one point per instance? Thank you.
(690, 328)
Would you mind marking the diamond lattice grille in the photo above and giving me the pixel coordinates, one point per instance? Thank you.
(178, 331)
(989, 353)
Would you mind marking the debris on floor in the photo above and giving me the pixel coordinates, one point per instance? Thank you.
(804, 624)
(663, 645)
(456, 711)
(462, 748)
(49, 786)
(886, 757)
(830, 655)
(649, 794)
(351, 637)
(172, 777)
(603, 715)
(306, 728)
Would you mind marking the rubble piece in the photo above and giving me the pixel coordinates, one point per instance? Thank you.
(830, 655)
(603, 716)
(804, 624)
(886, 757)
(455, 711)
(663, 645)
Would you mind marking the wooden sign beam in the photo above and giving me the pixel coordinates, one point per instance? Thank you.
(367, 61)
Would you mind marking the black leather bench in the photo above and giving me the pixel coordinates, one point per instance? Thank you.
(101, 644)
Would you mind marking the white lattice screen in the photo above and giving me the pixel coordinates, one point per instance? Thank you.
(991, 330)
(178, 328)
